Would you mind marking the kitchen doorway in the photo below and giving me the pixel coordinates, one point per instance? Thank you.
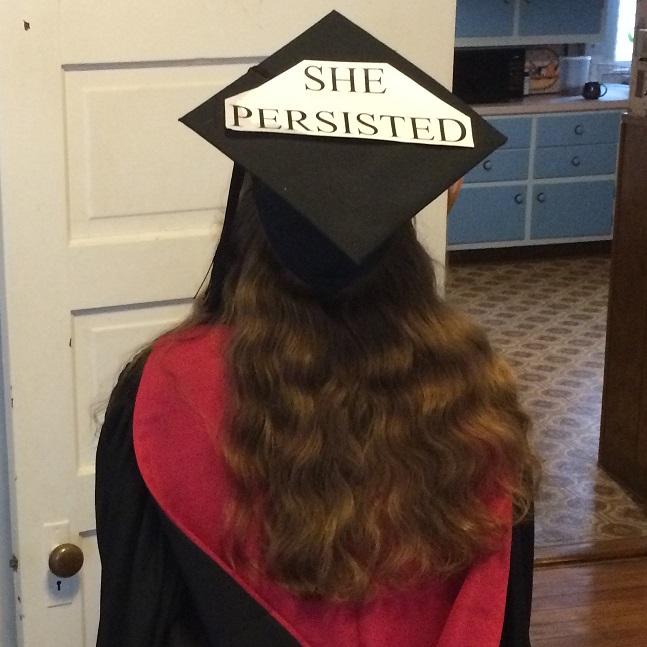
(548, 317)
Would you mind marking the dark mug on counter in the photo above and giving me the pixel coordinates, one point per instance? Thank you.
(594, 90)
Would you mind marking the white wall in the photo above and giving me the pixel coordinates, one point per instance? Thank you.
(7, 602)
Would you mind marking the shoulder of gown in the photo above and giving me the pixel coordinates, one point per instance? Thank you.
(158, 589)
(144, 602)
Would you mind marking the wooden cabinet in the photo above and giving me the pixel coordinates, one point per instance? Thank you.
(521, 22)
(553, 181)
(623, 433)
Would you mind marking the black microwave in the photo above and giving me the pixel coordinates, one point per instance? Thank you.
(489, 75)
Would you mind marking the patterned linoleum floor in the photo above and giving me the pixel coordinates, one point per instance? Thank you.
(549, 318)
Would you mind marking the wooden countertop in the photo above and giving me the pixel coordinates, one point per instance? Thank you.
(617, 98)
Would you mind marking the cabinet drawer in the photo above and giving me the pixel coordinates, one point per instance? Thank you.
(487, 214)
(564, 161)
(516, 129)
(572, 209)
(500, 166)
(582, 128)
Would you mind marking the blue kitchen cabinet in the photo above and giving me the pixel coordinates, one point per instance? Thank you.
(552, 182)
(484, 18)
(470, 221)
(572, 210)
(555, 17)
(493, 22)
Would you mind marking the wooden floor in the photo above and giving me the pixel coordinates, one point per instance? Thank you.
(591, 605)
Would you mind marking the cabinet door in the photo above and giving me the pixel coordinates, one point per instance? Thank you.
(500, 166)
(552, 17)
(481, 18)
(572, 161)
(516, 129)
(580, 128)
(488, 214)
(572, 209)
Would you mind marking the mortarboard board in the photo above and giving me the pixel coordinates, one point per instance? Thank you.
(346, 141)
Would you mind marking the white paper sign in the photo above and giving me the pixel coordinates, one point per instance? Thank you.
(352, 100)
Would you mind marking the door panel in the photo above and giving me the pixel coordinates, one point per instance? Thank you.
(468, 222)
(482, 18)
(581, 128)
(572, 209)
(567, 161)
(125, 175)
(502, 165)
(516, 129)
(103, 340)
(551, 17)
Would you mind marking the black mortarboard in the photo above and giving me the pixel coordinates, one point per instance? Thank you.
(354, 192)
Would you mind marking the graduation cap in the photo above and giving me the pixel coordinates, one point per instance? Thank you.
(345, 140)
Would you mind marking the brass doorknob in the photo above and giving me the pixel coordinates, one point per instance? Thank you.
(66, 560)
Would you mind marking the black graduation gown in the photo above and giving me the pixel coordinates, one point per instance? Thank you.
(159, 589)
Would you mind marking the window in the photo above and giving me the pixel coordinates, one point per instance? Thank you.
(625, 31)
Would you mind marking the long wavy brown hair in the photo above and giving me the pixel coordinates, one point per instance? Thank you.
(371, 432)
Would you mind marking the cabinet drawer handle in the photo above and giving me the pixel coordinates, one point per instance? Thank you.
(518, 198)
(576, 161)
(487, 165)
(579, 129)
(541, 197)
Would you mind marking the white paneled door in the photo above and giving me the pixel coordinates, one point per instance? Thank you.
(110, 210)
